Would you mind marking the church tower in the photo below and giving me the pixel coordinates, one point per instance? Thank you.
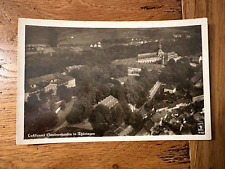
(161, 54)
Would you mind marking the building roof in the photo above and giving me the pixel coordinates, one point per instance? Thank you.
(69, 68)
(154, 54)
(143, 113)
(126, 131)
(197, 77)
(134, 68)
(49, 77)
(156, 117)
(109, 101)
(50, 85)
(169, 86)
(149, 124)
(120, 128)
(65, 77)
(143, 132)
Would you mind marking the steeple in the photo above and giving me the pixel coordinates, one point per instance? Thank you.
(160, 46)
(161, 54)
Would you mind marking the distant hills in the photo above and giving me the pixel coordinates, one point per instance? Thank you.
(81, 36)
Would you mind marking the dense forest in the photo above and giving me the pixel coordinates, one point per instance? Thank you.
(41, 64)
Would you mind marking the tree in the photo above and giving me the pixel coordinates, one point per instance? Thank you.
(63, 105)
(39, 123)
(33, 99)
(98, 123)
(64, 93)
(99, 96)
(81, 110)
(178, 72)
(126, 110)
(75, 116)
(144, 72)
(136, 120)
(33, 104)
(104, 89)
(43, 97)
(86, 86)
(117, 114)
(118, 71)
(118, 92)
(171, 62)
(100, 119)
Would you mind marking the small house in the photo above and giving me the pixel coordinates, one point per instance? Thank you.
(170, 88)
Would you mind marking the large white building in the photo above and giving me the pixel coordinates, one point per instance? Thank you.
(148, 57)
(158, 56)
(152, 57)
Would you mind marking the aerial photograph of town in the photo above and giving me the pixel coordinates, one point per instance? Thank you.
(98, 82)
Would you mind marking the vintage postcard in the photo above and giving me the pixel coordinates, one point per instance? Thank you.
(82, 81)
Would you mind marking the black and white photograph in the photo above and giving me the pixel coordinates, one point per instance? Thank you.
(112, 81)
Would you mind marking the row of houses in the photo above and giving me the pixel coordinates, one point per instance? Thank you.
(48, 82)
(32, 49)
(51, 81)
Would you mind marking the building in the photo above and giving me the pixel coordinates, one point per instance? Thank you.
(109, 102)
(154, 90)
(49, 87)
(126, 131)
(174, 56)
(33, 49)
(133, 71)
(120, 128)
(193, 64)
(37, 47)
(177, 35)
(197, 80)
(170, 88)
(48, 82)
(145, 131)
(196, 59)
(198, 98)
(74, 67)
(148, 57)
(99, 45)
(143, 112)
(158, 56)
(196, 77)
(96, 45)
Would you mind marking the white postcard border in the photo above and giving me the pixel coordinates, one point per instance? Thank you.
(103, 24)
